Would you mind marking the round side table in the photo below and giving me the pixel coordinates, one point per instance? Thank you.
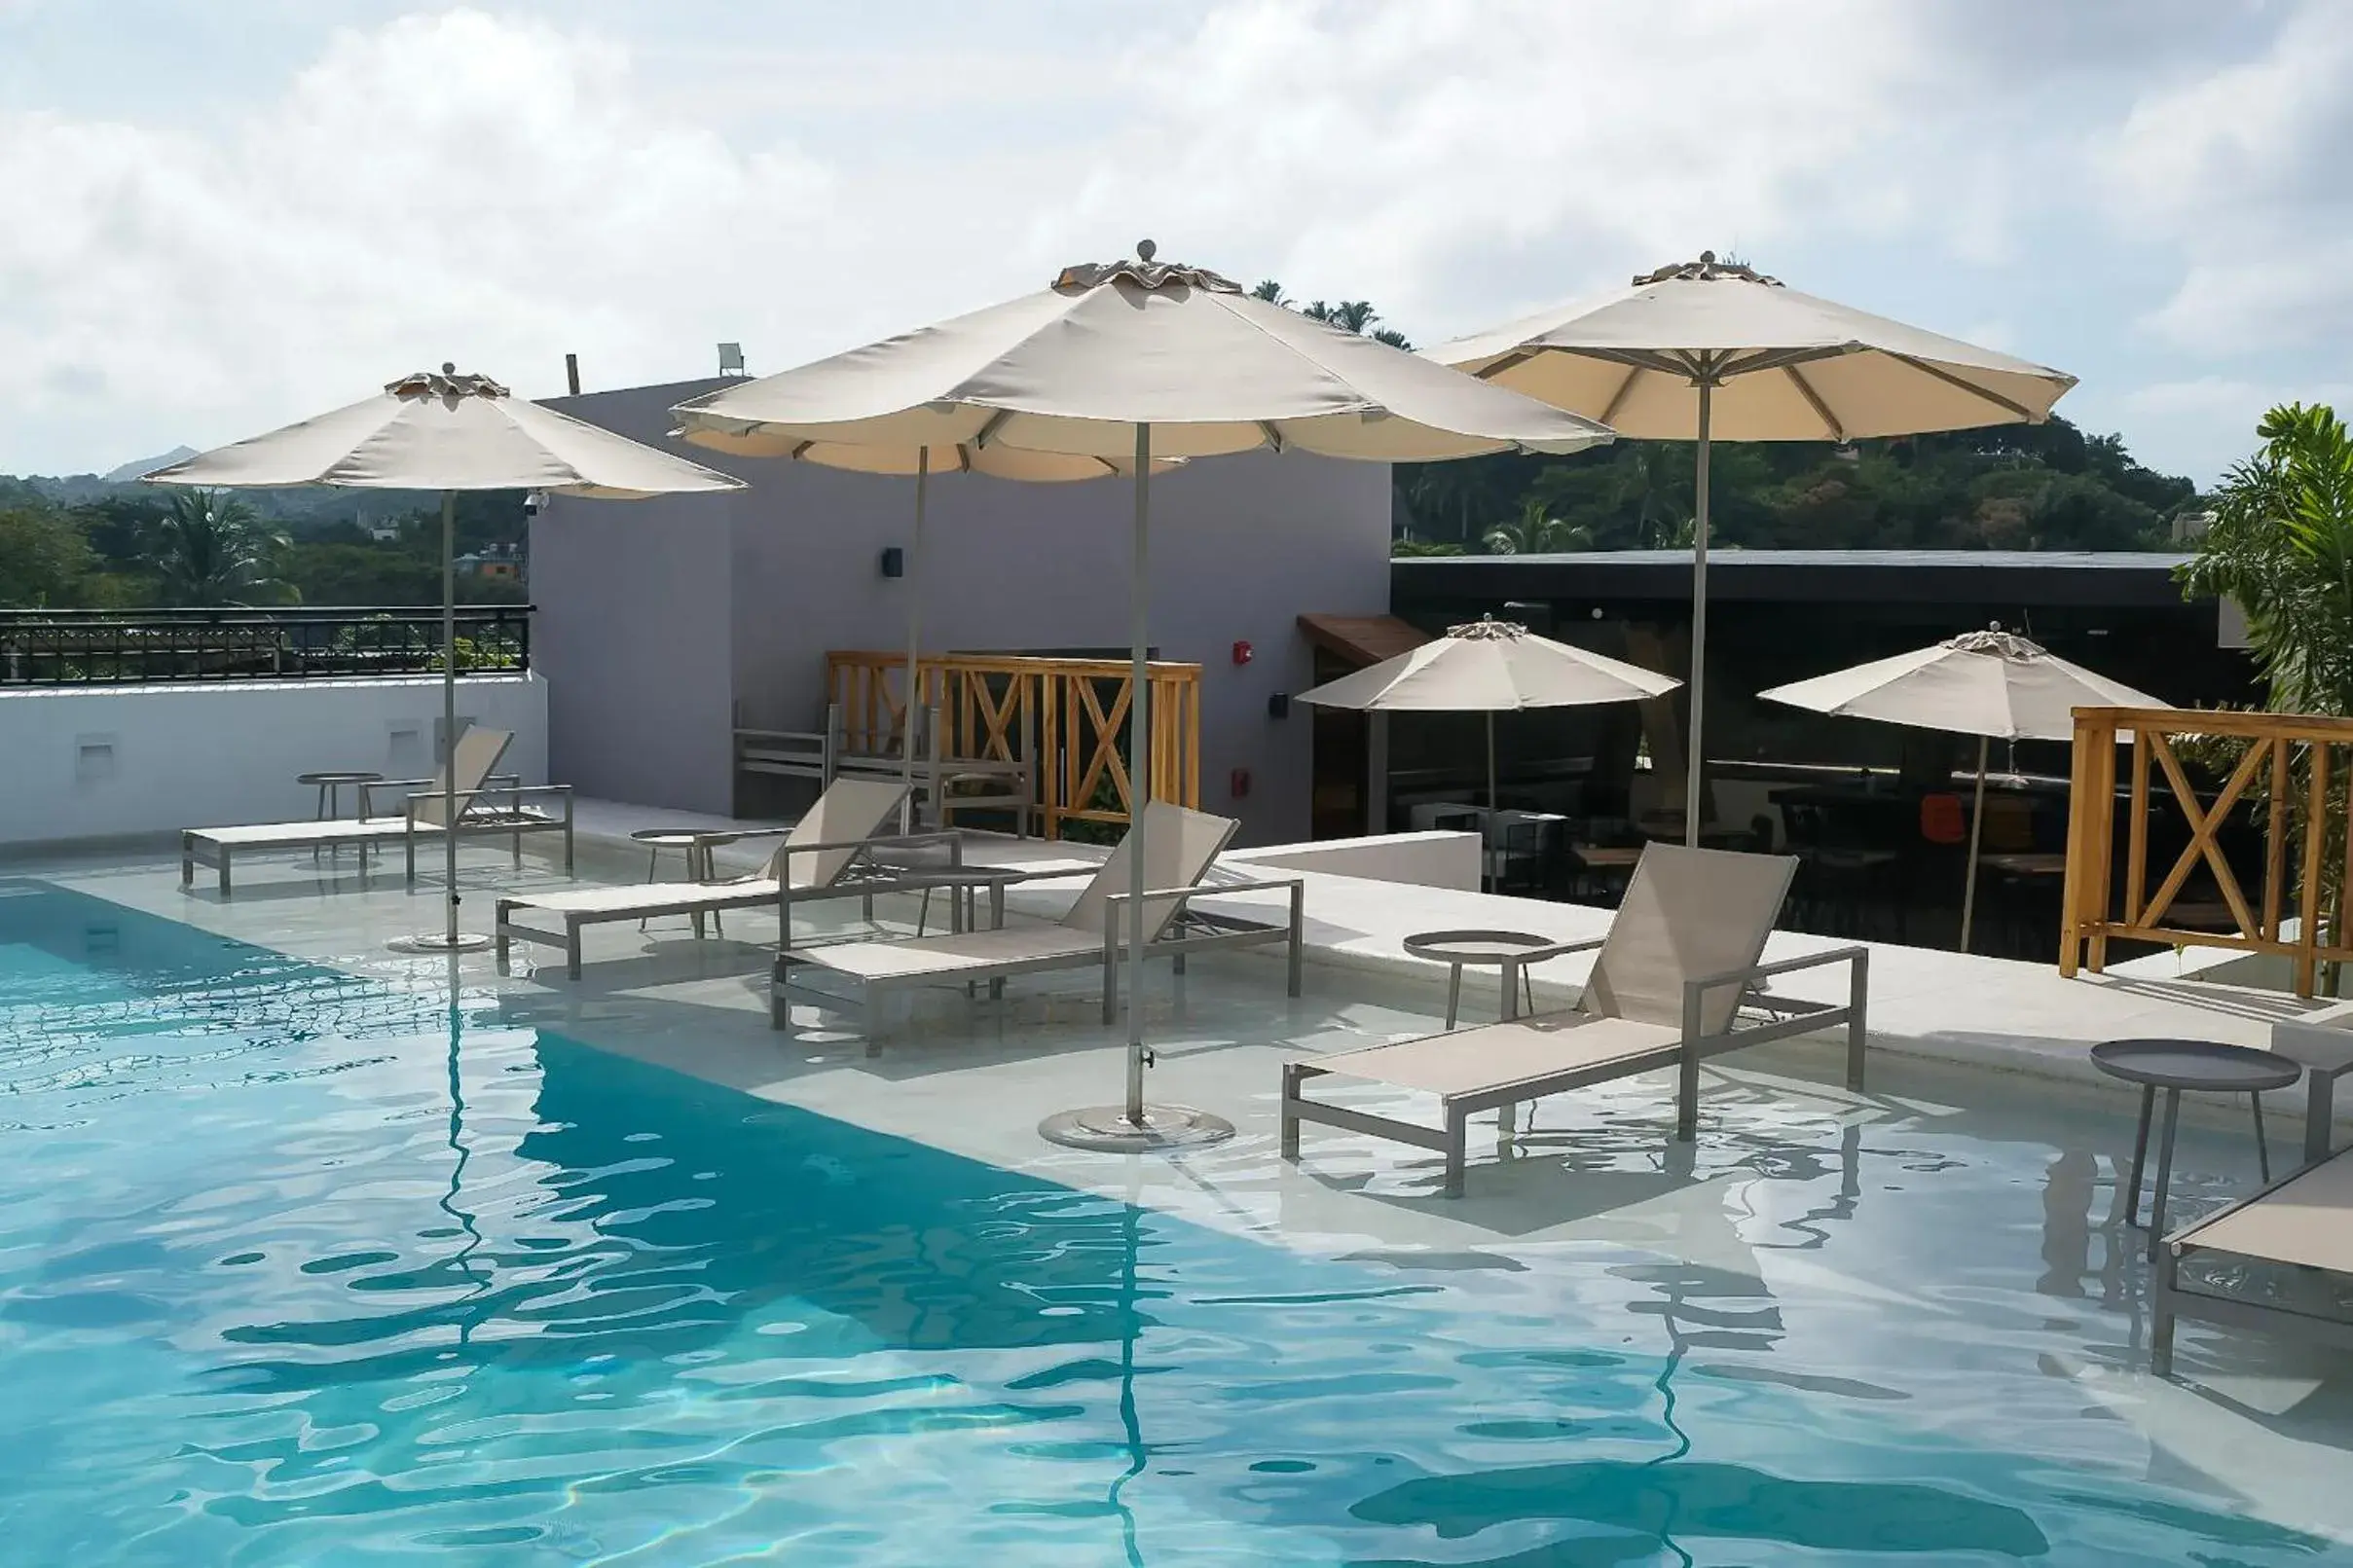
(695, 848)
(2198, 1066)
(330, 785)
(1507, 951)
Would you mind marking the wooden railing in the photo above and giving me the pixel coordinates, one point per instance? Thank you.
(1069, 715)
(2284, 765)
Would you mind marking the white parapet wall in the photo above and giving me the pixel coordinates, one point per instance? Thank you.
(1429, 859)
(93, 762)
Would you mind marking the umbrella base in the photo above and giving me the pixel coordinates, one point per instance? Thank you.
(1106, 1129)
(440, 943)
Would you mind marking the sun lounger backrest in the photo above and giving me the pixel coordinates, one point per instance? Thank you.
(479, 748)
(1688, 914)
(850, 809)
(1179, 846)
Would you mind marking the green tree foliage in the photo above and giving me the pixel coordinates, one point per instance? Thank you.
(44, 560)
(209, 548)
(2281, 545)
(1535, 533)
(2036, 488)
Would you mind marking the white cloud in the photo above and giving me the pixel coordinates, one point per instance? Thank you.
(454, 186)
(499, 187)
(2208, 423)
(2244, 168)
(1388, 150)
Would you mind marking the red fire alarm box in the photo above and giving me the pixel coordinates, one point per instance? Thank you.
(1237, 784)
(1241, 653)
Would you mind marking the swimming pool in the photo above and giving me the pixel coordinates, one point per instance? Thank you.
(285, 1277)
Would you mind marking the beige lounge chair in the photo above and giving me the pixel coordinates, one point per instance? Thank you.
(1179, 846)
(2302, 1223)
(486, 807)
(830, 853)
(1675, 973)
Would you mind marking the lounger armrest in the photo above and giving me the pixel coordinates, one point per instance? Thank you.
(1294, 885)
(467, 797)
(894, 841)
(495, 782)
(1762, 972)
(816, 736)
(1212, 890)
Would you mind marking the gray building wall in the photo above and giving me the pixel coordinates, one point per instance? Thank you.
(660, 619)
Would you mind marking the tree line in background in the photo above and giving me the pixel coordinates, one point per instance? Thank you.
(91, 545)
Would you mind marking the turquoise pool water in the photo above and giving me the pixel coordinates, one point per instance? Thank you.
(284, 1280)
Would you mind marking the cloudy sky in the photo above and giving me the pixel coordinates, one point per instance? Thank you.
(227, 214)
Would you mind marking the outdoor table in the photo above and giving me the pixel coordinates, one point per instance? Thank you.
(2199, 1065)
(695, 847)
(1506, 950)
(963, 884)
(329, 786)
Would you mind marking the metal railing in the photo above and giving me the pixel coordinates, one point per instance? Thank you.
(137, 647)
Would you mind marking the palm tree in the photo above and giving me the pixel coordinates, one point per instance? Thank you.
(1652, 483)
(210, 549)
(1393, 337)
(1353, 316)
(1272, 292)
(1533, 534)
(2281, 545)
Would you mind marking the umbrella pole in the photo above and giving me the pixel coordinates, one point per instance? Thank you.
(1692, 764)
(1139, 779)
(449, 711)
(1486, 877)
(1968, 893)
(914, 686)
(1135, 1128)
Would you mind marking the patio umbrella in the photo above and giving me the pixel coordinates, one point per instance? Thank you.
(1993, 684)
(1490, 667)
(921, 459)
(1138, 360)
(448, 432)
(1713, 350)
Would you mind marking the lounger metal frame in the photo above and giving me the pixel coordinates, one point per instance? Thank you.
(859, 878)
(1786, 1017)
(201, 845)
(2172, 1301)
(1189, 930)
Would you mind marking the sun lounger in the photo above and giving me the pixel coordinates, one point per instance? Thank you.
(1179, 848)
(485, 809)
(1677, 981)
(2302, 1223)
(831, 852)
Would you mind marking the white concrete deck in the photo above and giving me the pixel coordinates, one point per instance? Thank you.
(1600, 1178)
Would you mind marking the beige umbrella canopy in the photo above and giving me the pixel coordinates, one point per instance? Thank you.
(1713, 350)
(1490, 667)
(1993, 684)
(1132, 361)
(448, 432)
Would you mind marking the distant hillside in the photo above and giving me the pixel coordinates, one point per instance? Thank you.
(304, 512)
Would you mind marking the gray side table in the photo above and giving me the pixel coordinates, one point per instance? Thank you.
(1508, 951)
(2201, 1067)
